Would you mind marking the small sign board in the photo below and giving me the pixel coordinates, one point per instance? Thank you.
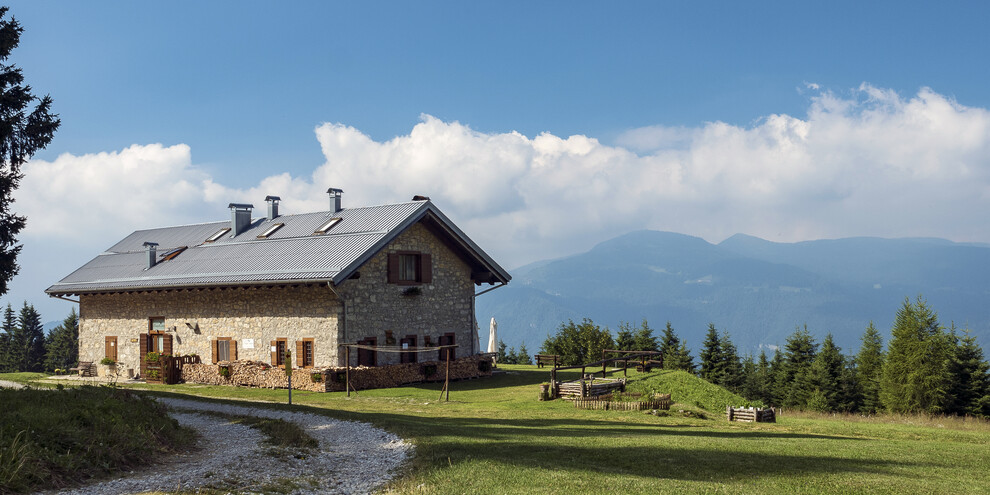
(249, 343)
(134, 340)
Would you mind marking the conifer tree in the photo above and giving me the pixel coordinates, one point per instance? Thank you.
(970, 378)
(825, 373)
(750, 386)
(850, 389)
(732, 369)
(670, 346)
(9, 324)
(643, 338)
(511, 357)
(624, 340)
(523, 357)
(501, 356)
(799, 352)
(578, 343)
(777, 383)
(711, 357)
(28, 341)
(869, 368)
(915, 374)
(764, 379)
(62, 344)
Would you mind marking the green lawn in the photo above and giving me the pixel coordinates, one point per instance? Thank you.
(495, 437)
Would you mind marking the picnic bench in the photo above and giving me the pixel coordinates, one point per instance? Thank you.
(85, 368)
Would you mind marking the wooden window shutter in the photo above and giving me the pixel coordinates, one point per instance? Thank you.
(144, 345)
(393, 268)
(216, 350)
(312, 352)
(299, 354)
(274, 353)
(167, 345)
(233, 349)
(425, 268)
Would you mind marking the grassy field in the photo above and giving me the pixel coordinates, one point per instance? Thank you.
(495, 437)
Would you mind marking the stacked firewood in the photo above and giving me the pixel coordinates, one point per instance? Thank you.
(260, 374)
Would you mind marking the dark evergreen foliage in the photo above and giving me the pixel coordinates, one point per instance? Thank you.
(869, 368)
(624, 340)
(522, 356)
(824, 374)
(711, 357)
(643, 338)
(915, 374)
(578, 343)
(23, 132)
(970, 378)
(62, 344)
(795, 381)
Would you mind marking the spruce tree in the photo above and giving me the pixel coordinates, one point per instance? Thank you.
(915, 374)
(624, 340)
(683, 360)
(501, 356)
(825, 373)
(523, 357)
(670, 346)
(850, 388)
(62, 344)
(24, 132)
(28, 341)
(763, 379)
(970, 378)
(799, 352)
(8, 326)
(750, 386)
(711, 357)
(643, 338)
(578, 343)
(732, 369)
(777, 383)
(869, 368)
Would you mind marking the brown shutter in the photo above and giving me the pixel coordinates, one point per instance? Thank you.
(167, 345)
(274, 353)
(144, 351)
(393, 268)
(312, 351)
(233, 349)
(425, 268)
(216, 350)
(299, 354)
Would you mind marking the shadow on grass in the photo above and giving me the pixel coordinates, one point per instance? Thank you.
(676, 452)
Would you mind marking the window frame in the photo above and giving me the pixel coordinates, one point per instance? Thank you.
(423, 268)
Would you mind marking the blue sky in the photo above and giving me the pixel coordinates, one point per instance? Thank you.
(516, 117)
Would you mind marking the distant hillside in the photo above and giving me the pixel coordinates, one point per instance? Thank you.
(757, 290)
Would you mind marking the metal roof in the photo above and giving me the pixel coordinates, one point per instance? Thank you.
(291, 254)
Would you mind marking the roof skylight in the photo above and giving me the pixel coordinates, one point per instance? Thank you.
(327, 226)
(172, 253)
(270, 230)
(218, 235)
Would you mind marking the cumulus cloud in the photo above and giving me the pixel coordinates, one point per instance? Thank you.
(868, 163)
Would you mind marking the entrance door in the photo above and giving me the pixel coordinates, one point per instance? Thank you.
(156, 340)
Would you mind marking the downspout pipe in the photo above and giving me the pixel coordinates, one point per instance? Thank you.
(56, 296)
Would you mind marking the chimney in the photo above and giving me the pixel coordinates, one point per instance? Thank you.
(335, 195)
(240, 217)
(272, 206)
(151, 248)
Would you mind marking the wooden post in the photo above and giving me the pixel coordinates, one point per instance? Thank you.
(446, 384)
(347, 370)
(603, 364)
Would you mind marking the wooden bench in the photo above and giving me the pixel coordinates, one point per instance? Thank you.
(85, 368)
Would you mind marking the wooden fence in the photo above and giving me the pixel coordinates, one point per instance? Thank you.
(662, 402)
(751, 414)
(168, 369)
(590, 388)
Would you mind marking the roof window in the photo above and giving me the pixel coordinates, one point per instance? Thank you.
(271, 230)
(218, 235)
(327, 226)
(172, 253)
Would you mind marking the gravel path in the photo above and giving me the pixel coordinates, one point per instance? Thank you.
(352, 458)
(6, 384)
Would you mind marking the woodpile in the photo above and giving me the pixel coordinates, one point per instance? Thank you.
(590, 388)
(263, 375)
(751, 414)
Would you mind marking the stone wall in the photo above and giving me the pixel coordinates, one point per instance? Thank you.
(375, 307)
(262, 375)
(251, 316)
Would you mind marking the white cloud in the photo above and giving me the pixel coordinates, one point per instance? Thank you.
(873, 163)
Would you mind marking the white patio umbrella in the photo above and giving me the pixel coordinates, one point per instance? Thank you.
(493, 336)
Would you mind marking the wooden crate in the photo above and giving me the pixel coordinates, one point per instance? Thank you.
(751, 414)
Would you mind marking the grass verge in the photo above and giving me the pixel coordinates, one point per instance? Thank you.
(56, 438)
(495, 437)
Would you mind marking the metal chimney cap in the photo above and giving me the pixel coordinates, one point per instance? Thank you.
(272, 198)
(335, 190)
(240, 206)
(150, 244)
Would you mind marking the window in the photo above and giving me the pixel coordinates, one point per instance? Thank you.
(270, 230)
(410, 268)
(172, 253)
(408, 343)
(110, 351)
(278, 352)
(218, 235)
(304, 353)
(446, 339)
(326, 226)
(224, 349)
(366, 357)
